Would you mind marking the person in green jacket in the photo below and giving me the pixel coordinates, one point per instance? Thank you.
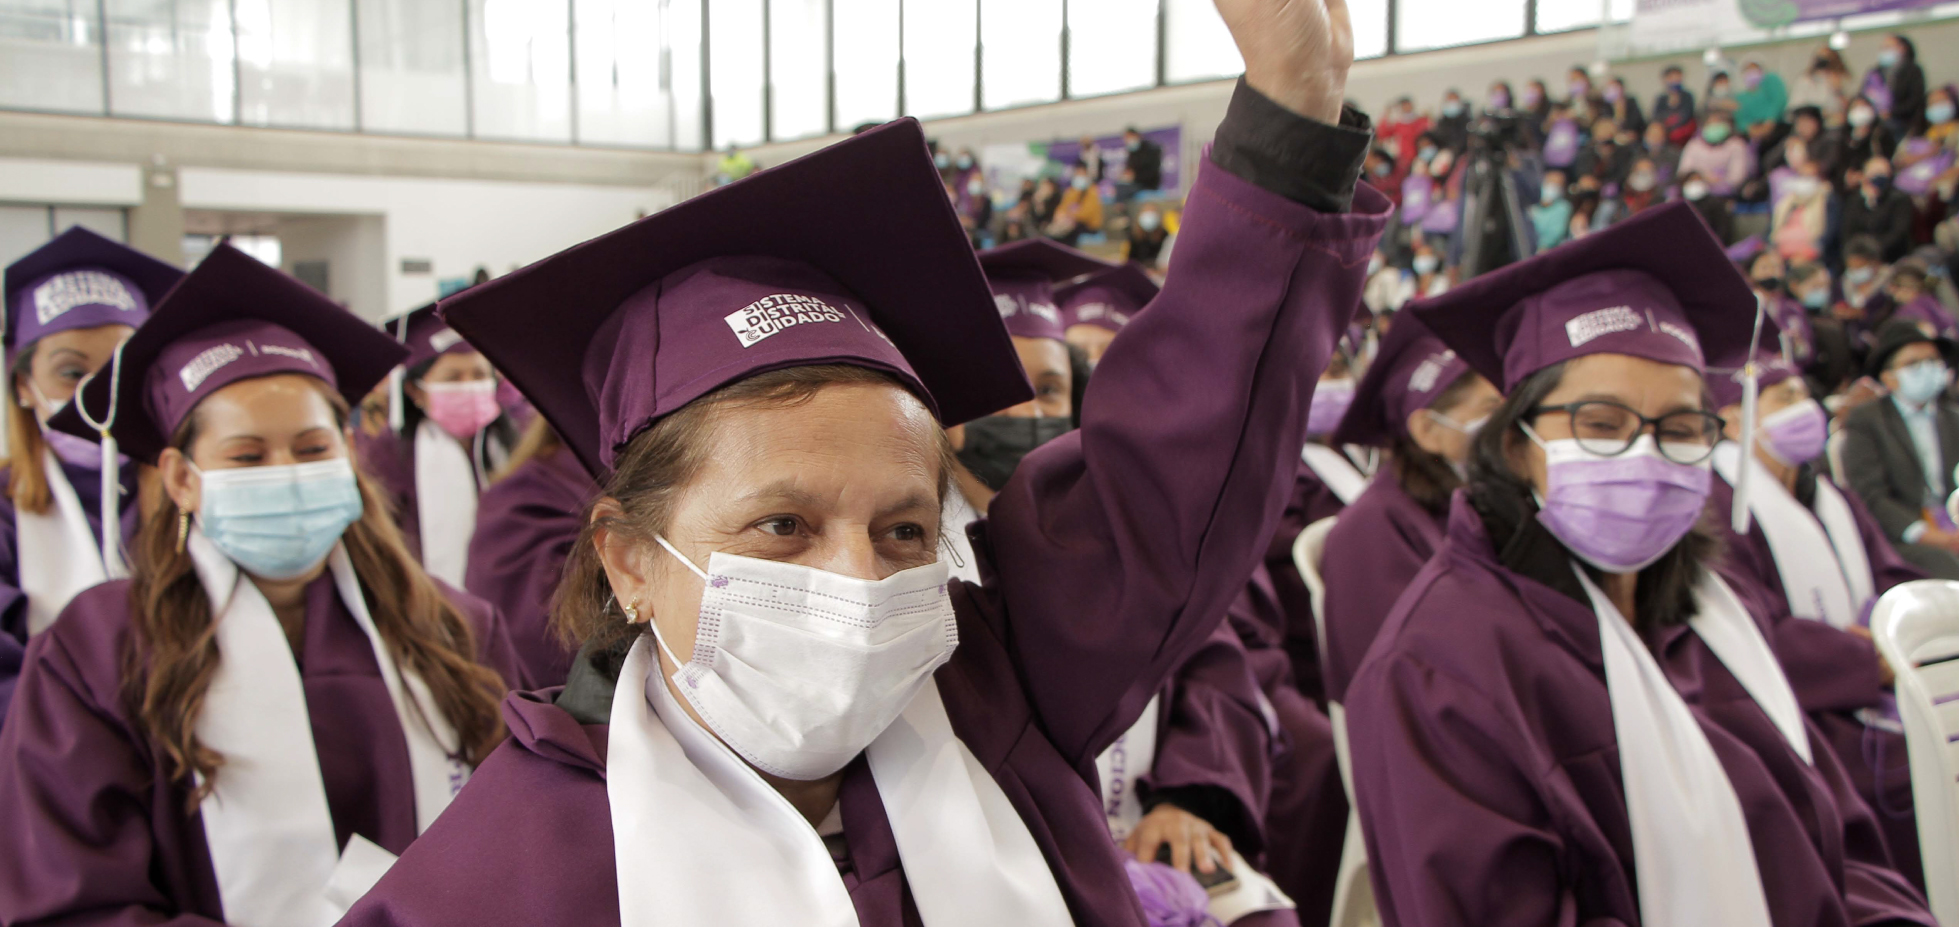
(1761, 101)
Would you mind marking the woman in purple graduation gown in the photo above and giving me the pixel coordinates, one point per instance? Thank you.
(278, 700)
(68, 304)
(785, 713)
(1421, 405)
(452, 434)
(1819, 562)
(526, 523)
(1569, 718)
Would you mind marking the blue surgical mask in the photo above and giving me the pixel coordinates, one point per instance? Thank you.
(1150, 221)
(1920, 382)
(1452, 109)
(1939, 113)
(1079, 183)
(1816, 298)
(1426, 263)
(278, 522)
(1887, 58)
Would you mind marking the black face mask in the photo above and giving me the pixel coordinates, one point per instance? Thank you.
(1769, 284)
(995, 444)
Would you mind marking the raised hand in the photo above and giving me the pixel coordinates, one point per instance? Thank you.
(1296, 52)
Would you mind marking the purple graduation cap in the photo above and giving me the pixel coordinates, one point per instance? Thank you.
(1411, 368)
(425, 335)
(1108, 299)
(1725, 385)
(1023, 276)
(1657, 285)
(80, 280)
(850, 255)
(231, 319)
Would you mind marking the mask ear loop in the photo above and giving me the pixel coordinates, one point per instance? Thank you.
(657, 638)
(112, 563)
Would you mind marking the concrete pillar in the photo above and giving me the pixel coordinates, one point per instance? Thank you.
(156, 226)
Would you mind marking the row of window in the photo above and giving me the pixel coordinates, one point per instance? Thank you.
(634, 72)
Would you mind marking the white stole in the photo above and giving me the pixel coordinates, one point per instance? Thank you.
(683, 805)
(1826, 573)
(59, 556)
(266, 819)
(1336, 471)
(1127, 760)
(445, 502)
(1695, 861)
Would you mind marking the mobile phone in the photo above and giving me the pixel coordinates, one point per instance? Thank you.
(1216, 882)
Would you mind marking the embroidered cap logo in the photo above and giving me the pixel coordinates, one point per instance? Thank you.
(772, 315)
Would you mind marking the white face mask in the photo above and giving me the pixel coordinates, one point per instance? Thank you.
(798, 669)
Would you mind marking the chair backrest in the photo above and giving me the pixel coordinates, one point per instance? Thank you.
(1916, 626)
(1833, 451)
(1306, 554)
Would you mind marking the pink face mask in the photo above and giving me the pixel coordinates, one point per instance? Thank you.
(1795, 435)
(1620, 514)
(462, 409)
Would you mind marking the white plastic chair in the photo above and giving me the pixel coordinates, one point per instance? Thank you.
(1916, 625)
(1833, 452)
(1353, 896)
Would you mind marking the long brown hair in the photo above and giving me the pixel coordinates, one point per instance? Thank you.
(655, 467)
(540, 440)
(174, 651)
(27, 478)
(1427, 477)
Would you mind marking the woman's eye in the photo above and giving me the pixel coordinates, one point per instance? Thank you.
(72, 374)
(780, 527)
(908, 533)
(245, 459)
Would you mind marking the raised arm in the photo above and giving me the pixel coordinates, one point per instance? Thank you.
(1119, 547)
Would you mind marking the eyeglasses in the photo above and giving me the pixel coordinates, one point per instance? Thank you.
(1608, 429)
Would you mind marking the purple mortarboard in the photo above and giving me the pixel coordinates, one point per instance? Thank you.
(80, 280)
(1409, 371)
(231, 319)
(851, 255)
(425, 335)
(1725, 385)
(1108, 299)
(1656, 285)
(1023, 276)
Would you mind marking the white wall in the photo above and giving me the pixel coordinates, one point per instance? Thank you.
(457, 224)
(355, 249)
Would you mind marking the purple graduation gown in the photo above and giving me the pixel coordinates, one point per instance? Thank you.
(526, 525)
(13, 600)
(1488, 769)
(1215, 752)
(1306, 818)
(97, 833)
(1310, 501)
(390, 459)
(1167, 493)
(1372, 553)
(1835, 674)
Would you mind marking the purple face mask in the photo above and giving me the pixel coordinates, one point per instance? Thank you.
(1795, 435)
(1330, 401)
(1619, 514)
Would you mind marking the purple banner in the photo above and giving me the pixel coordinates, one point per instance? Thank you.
(1831, 9)
(1115, 157)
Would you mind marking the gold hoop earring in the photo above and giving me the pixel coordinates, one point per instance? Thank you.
(183, 529)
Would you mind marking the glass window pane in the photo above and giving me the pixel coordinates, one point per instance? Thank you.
(1020, 61)
(939, 39)
(1559, 15)
(1424, 24)
(1111, 46)
(411, 70)
(1370, 19)
(520, 69)
(734, 55)
(799, 102)
(866, 61)
(689, 81)
(295, 63)
(626, 69)
(53, 57)
(1200, 47)
(171, 59)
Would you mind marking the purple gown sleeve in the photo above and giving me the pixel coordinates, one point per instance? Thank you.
(1214, 753)
(75, 794)
(1119, 546)
(1457, 833)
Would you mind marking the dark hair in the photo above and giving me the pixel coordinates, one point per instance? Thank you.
(1910, 271)
(1672, 69)
(1664, 594)
(1863, 246)
(172, 653)
(1810, 111)
(1802, 272)
(1427, 477)
(649, 475)
(1911, 50)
